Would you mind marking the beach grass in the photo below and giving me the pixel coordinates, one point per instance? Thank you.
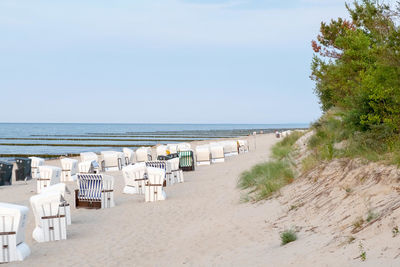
(264, 179)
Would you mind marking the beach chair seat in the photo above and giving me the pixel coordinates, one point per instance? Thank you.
(202, 155)
(51, 224)
(48, 175)
(65, 208)
(35, 163)
(186, 160)
(13, 219)
(143, 154)
(161, 150)
(154, 187)
(129, 155)
(112, 160)
(176, 172)
(69, 169)
(217, 153)
(96, 191)
(135, 177)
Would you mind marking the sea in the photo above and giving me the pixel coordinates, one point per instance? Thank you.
(70, 139)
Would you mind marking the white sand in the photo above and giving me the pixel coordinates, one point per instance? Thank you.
(202, 223)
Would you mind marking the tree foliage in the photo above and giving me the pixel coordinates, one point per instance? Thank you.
(356, 66)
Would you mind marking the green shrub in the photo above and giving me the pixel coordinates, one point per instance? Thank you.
(288, 236)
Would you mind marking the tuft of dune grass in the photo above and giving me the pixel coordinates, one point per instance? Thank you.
(264, 179)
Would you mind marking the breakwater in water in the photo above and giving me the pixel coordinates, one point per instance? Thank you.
(58, 139)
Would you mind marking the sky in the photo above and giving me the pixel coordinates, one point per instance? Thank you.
(160, 61)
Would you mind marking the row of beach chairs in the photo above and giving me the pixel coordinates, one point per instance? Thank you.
(142, 175)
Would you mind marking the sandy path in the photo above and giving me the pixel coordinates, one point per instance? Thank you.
(201, 223)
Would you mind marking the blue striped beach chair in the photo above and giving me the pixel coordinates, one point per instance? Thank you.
(95, 191)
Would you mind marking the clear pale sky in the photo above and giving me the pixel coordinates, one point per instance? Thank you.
(184, 61)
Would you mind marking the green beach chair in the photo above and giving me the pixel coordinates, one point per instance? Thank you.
(186, 160)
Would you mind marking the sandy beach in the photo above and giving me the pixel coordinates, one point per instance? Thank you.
(201, 223)
(204, 223)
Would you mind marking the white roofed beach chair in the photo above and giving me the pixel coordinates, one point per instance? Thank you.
(51, 225)
(176, 172)
(13, 220)
(95, 191)
(49, 175)
(89, 156)
(172, 148)
(89, 167)
(243, 146)
(161, 164)
(161, 150)
(112, 160)
(202, 155)
(135, 177)
(129, 155)
(65, 208)
(234, 147)
(35, 163)
(154, 186)
(217, 153)
(183, 147)
(143, 154)
(69, 169)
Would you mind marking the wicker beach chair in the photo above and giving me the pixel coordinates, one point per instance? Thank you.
(5, 173)
(172, 148)
(23, 171)
(176, 172)
(203, 155)
(161, 164)
(69, 169)
(89, 156)
(161, 150)
(217, 153)
(35, 163)
(135, 177)
(96, 191)
(186, 160)
(48, 175)
(129, 155)
(65, 208)
(112, 160)
(51, 224)
(183, 147)
(243, 146)
(143, 154)
(154, 186)
(13, 220)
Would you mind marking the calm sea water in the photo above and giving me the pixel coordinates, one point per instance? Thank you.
(73, 138)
